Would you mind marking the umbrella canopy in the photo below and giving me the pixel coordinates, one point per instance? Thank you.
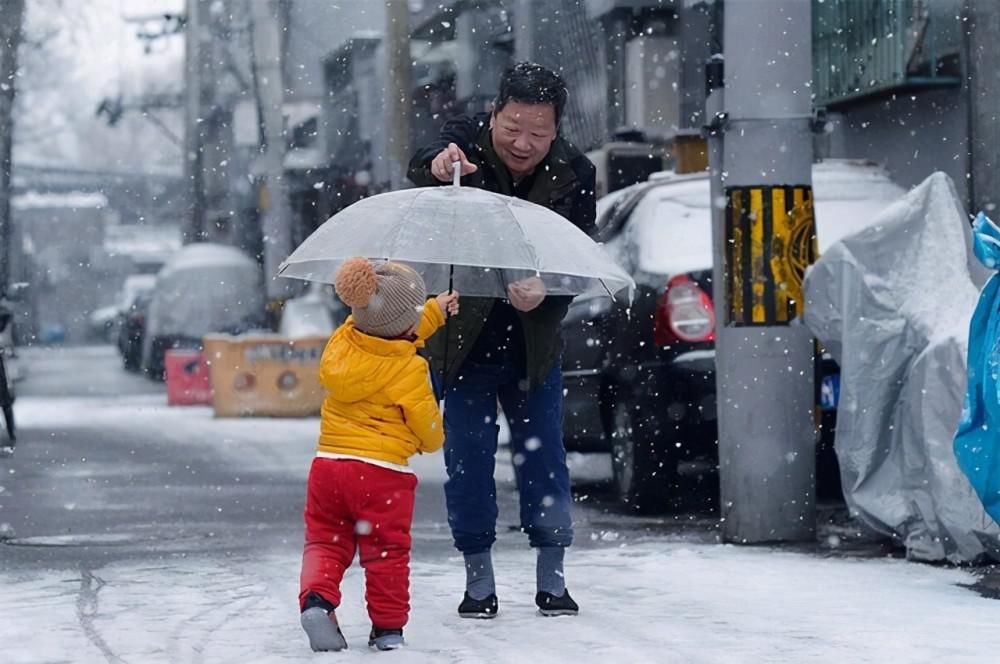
(483, 240)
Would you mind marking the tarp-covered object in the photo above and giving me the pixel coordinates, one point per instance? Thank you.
(892, 303)
(206, 288)
(977, 441)
(314, 313)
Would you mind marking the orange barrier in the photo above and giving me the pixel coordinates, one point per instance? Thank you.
(265, 375)
(186, 375)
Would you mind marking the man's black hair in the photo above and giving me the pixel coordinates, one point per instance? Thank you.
(529, 83)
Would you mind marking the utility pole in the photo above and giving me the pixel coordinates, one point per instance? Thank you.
(982, 85)
(276, 213)
(764, 237)
(200, 80)
(618, 27)
(399, 107)
(10, 41)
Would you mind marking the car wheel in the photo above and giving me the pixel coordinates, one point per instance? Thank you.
(644, 477)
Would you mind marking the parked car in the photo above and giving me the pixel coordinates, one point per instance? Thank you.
(133, 305)
(204, 288)
(641, 384)
(102, 322)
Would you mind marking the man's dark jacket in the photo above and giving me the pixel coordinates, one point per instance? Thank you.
(564, 183)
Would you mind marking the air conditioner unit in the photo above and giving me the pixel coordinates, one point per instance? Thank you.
(652, 84)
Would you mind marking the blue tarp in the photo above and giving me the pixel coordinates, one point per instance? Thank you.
(977, 441)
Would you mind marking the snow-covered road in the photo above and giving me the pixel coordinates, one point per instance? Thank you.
(141, 534)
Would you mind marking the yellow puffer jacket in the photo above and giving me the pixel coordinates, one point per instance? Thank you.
(379, 403)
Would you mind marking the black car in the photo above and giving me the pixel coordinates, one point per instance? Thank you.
(640, 384)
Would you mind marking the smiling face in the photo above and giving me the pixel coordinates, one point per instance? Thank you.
(522, 135)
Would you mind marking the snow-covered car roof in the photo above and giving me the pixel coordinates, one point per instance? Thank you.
(203, 255)
(205, 288)
(669, 223)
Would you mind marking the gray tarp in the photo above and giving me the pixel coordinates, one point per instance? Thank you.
(892, 303)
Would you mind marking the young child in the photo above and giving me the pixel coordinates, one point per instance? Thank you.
(379, 411)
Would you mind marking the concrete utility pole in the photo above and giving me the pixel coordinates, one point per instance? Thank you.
(982, 25)
(199, 78)
(764, 234)
(618, 27)
(399, 106)
(10, 41)
(276, 219)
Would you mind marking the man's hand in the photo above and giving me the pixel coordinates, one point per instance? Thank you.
(441, 167)
(526, 294)
(448, 302)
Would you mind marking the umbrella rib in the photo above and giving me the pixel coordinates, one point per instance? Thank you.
(524, 238)
(606, 289)
(503, 282)
(398, 230)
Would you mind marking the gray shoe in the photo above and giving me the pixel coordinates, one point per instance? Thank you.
(386, 639)
(323, 631)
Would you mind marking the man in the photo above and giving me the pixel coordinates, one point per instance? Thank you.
(510, 349)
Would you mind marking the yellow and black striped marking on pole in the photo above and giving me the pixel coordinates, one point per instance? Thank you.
(770, 241)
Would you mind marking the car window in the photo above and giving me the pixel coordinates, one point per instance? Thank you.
(613, 210)
(607, 204)
(672, 233)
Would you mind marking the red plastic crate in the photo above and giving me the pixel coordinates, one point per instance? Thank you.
(188, 379)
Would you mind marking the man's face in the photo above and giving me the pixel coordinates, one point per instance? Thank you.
(523, 134)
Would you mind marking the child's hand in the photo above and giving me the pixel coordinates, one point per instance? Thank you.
(448, 302)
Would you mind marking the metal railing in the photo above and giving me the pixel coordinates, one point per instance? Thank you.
(864, 47)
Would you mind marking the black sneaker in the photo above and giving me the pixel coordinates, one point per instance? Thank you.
(550, 605)
(386, 639)
(479, 608)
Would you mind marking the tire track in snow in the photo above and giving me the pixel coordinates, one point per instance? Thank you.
(88, 608)
(192, 635)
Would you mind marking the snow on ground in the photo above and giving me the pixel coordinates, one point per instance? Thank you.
(294, 438)
(663, 600)
(653, 602)
(279, 444)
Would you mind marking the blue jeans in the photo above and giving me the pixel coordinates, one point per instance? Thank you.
(470, 448)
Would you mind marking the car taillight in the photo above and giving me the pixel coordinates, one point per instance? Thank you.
(684, 312)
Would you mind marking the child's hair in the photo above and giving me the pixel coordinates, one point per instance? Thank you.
(386, 299)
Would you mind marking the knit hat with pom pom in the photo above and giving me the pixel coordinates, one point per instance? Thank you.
(386, 299)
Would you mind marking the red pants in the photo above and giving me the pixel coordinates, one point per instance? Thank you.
(353, 505)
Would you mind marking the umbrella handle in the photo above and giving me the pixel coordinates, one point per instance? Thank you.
(456, 169)
(447, 329)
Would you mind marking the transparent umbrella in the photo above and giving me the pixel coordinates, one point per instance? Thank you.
(474, 240)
